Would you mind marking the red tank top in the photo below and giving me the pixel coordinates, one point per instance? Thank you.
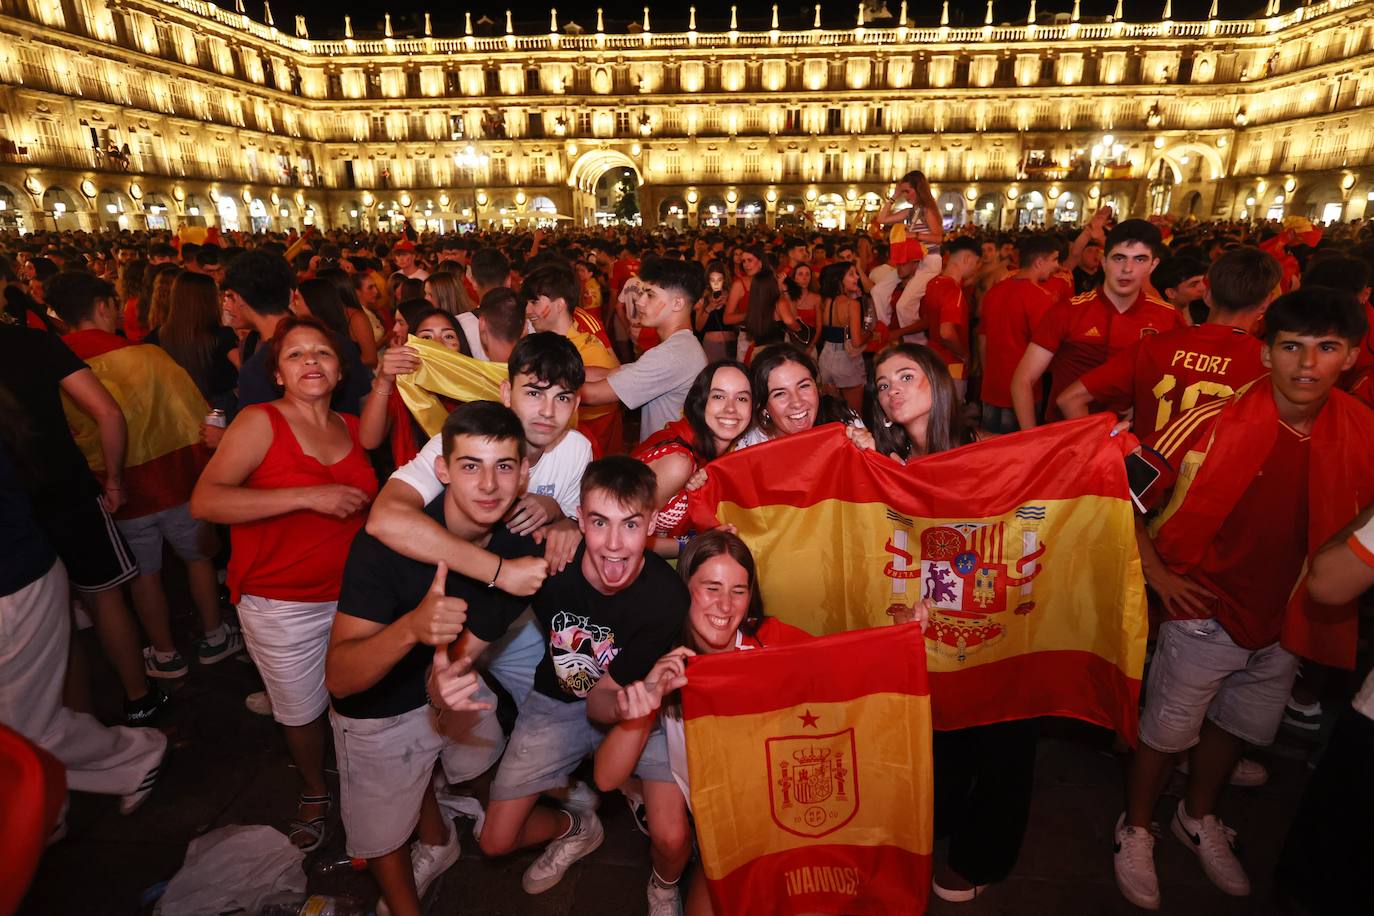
(298, 556)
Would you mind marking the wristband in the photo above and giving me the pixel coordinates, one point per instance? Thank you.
(496, 575)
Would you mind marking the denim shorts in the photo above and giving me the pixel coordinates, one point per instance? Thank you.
(175, 526)
(1198, 671)
(550, 739)
(386, 764)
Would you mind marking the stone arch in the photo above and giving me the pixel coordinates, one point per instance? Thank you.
(588, 168)
(1173, 157)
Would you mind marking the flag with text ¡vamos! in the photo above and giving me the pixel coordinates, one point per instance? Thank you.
(1024, 543)
(810, 773)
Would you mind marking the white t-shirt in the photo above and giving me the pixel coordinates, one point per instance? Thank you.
(558, 472)
(467, 321)
(676, 737)
(659, 380)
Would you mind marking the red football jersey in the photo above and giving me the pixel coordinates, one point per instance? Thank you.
(1162, 375)
(1086, 331)
(943, 303)
(1008, 314)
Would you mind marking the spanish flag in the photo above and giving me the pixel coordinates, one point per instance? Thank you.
(810, 773)
(163, 410)
(452, 375)
(1025, 544)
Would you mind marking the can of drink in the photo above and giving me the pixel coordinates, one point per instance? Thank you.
(216, 418)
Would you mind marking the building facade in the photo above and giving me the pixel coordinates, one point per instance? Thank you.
(153, 114)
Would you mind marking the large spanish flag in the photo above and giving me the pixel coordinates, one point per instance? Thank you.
(1025, 544)
(163, 410)
(811, 775)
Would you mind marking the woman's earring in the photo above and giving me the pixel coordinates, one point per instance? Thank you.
(887, 422)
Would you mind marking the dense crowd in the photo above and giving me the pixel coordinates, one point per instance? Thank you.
(242, 401)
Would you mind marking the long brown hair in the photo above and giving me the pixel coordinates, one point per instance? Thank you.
(925, 198)
(191, 330)
(945, 428)
(161, 303)
(763, 296)
(449, 295)
(145, 293)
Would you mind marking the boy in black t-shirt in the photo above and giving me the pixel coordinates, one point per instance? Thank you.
(392, 609)
(608, 617)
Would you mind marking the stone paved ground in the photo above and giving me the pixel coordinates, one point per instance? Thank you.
(230, 767)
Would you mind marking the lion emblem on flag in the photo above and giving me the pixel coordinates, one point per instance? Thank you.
(965, 571)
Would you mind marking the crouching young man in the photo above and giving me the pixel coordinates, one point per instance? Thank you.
(607, 618)
(396, 616)
(1259, 482)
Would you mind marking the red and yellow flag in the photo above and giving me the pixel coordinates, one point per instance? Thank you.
(163, 410)
(1025, 544)
(811, 777)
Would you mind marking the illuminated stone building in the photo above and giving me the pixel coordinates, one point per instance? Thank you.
(144, 113)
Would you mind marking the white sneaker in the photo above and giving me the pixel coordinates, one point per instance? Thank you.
(259, 703)
(1247, 774)
(549, 868)
(1214, 844)
(427, 863)
(581, 798)
(663, 901)
(1135, 865)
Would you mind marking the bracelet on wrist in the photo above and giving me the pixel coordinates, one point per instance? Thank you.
(500, 561)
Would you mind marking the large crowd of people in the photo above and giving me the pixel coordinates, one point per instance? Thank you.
(236, 398)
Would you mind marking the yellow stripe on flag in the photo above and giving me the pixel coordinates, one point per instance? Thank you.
(450, 374)
(744, 757)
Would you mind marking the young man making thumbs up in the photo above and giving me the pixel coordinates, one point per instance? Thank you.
(396, 616)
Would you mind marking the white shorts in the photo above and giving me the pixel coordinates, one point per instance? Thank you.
(288, 641)
(385, 767)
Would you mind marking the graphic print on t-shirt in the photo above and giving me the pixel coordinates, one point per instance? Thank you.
(581, 652)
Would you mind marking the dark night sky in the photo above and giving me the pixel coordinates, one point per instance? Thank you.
(325, 17)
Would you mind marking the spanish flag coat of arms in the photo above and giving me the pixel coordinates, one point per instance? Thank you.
(810, 772)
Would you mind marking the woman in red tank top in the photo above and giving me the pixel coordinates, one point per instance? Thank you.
(292, 481)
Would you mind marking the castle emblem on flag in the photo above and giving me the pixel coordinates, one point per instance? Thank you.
(814, 788)
(970, 572)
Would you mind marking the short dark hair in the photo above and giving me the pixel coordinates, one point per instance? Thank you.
(963, 243)
(1242, 278)
(72, 294)
(161, 250)
(686, 277)
(1339, 271)
(504, 314)
(262, 279)
(1031, 248)
(208, 256)
(1135, 230)
(485, 420)
(549, 357)
(555, 280)
(489, 267)
(1169, 274)
(629, 482)
(1316, 311)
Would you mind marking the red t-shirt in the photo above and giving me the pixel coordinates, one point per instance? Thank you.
(1086, 331)
(132, 329)
(1010, 310)
(1162, 375)
(944, 303)
(622, 270)
(298, 556)
(1251, 576)
(92, 342)
(1060, 287)
(592, 325)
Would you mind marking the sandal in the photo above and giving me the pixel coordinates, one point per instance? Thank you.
(313, 828)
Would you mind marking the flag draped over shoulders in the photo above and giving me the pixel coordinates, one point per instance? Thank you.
(444, 372)
(1213, 476)
(1025, 544)
(810, 768)
(163, 411)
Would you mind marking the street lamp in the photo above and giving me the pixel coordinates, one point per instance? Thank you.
(472, 160)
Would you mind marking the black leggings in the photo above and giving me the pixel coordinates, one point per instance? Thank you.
(983, 781)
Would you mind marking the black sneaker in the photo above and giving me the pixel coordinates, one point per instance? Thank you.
(141, 712)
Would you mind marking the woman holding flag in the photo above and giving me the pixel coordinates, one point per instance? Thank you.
(726, 615)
